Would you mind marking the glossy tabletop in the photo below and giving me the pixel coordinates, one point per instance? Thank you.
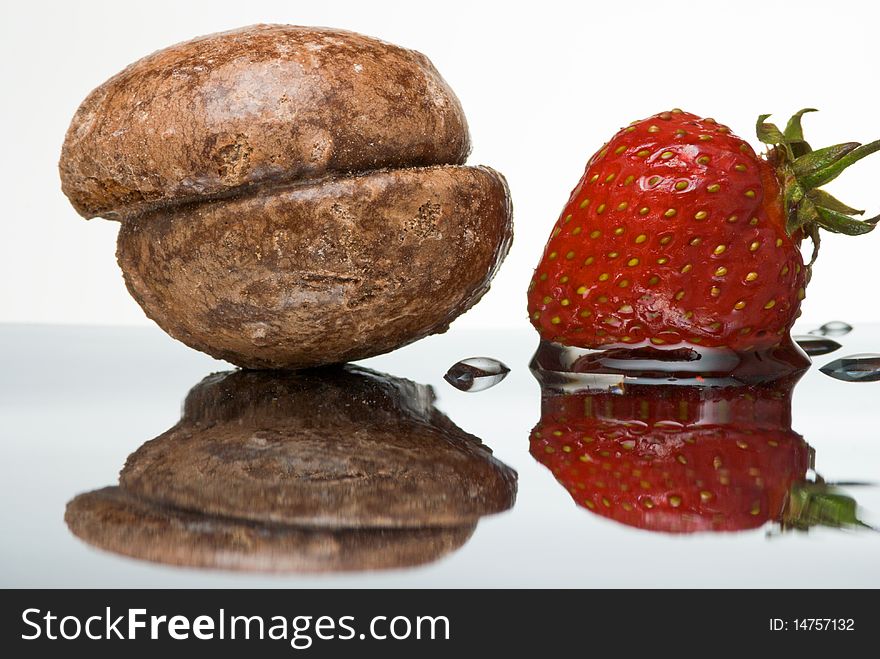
(75, 402)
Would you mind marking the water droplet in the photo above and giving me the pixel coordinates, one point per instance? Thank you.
(863, 367)
(476, 374)
(816, 345)
(834, 328)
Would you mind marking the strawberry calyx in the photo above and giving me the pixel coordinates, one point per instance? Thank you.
(817, 503)
(802, 171)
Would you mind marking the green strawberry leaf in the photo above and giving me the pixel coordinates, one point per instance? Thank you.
(817, 177)
(794, 134)
(816, 161)
(812, 231)
(822, 198)
(793, 130)
(769, 133)
(805, 215)
(835, 222)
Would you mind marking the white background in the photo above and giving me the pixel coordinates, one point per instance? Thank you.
(543, 85)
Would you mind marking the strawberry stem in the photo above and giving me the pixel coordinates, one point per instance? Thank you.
(803, 171)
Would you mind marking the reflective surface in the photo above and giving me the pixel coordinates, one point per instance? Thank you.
(76, 402)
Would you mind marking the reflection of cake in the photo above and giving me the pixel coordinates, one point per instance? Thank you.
(339, 447)
(338, 468)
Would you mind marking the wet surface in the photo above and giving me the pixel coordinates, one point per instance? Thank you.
(80, 403)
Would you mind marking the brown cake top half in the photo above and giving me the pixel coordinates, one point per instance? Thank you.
(262, 104)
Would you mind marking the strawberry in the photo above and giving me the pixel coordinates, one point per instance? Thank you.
(683, 459)
(678, 233)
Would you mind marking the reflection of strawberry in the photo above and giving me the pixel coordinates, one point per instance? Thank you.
(679, 232)
(820, 504)
(670, 458)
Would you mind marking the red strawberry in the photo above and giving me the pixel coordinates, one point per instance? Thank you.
(668, 458)
(682, 459)
(679, 233)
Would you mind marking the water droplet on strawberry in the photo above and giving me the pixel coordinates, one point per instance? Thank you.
(834, 328)
(815, 345)
(476, 374)
(864, 367)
